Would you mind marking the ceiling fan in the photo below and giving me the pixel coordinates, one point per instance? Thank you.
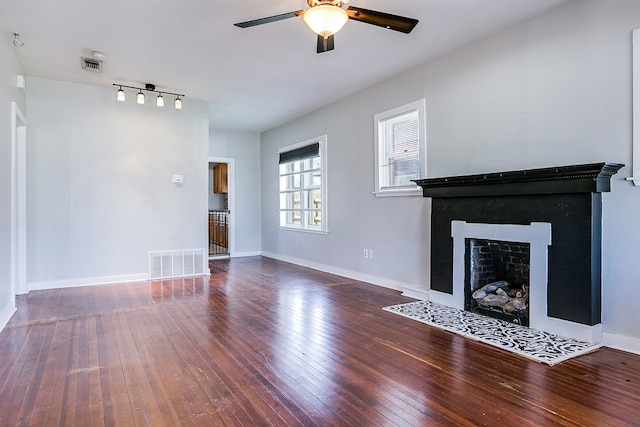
(326, 17)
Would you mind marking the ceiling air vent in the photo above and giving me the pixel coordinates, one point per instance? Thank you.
(91, 64)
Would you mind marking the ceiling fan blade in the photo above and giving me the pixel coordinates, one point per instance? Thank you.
(269, 19)
(325, 45)
(381, 19)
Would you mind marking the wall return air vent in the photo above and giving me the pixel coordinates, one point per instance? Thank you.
(91, 64)
(178, 263)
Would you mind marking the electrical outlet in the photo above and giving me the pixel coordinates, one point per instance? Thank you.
(365, 253)
(370, 253)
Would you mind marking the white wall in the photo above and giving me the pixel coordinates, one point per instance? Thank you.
(393, 227)
(99, 190)
(9, 68)
(553, 90)
(244, 148)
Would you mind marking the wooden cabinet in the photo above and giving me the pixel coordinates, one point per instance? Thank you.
(220, 178)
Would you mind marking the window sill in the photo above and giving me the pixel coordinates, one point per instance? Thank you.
(304, 230)
(399, 192)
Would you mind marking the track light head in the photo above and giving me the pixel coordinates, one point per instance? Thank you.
(160, 100)
(140, 97)
(120, 96)
(177, 104)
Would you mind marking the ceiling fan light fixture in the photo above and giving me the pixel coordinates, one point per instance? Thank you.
(325, 19)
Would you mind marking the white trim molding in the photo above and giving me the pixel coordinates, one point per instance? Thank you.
(635, 163)
(18, 203)
(5, 315)
(350, 274)
(621, 342)
(88, 281)
(246, 254)
(419, 294)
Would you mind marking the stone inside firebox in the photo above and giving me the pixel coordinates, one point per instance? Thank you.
(497, 279)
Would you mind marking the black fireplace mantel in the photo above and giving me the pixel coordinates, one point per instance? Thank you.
(586, 178)
(567, 197)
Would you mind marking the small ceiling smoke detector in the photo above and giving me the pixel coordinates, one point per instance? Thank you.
(91, 64)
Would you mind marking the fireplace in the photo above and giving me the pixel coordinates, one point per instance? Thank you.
(497, 279)
(555, 211)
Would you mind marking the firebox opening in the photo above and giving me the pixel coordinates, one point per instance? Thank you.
(497, 279)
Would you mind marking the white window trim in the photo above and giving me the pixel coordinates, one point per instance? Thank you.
(322, 143)
(414, 190)
(635, 163)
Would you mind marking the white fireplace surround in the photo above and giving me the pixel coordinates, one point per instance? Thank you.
(538, 236)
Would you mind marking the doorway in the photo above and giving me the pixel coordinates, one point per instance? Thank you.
(18, 203)
(220, 201)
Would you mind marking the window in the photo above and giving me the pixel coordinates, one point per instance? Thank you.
(400, 150)
(302, 186)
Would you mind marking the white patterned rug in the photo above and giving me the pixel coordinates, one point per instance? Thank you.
(537, 345)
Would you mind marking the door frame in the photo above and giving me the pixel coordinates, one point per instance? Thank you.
(231, 198)
(18, 203)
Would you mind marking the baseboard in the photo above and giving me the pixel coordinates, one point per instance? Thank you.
(6, 313)
(246, 254)
(375, 280)
(621, 342)
(419, 294)
(87, 281)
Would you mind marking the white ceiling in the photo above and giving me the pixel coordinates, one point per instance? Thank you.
(253, 78)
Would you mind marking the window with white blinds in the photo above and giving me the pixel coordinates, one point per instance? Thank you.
(302, 185)
(400, 150)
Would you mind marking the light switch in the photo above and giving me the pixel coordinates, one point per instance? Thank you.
(177, 179)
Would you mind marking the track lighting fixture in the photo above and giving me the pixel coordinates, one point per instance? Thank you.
(148, 87)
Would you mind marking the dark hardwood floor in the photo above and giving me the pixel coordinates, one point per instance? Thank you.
(269, 343)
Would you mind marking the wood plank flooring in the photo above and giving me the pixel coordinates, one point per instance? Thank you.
(266, 343)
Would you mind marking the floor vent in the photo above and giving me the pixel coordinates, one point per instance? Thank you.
(180, 263)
